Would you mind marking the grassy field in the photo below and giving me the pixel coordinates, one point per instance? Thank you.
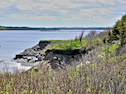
(67, 44)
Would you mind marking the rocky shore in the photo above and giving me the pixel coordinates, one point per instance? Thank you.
(46, 58)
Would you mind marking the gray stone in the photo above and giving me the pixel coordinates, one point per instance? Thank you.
(59, 59)
(28, 52)
(36, 70)
(37, 55)
(21, 60)
(48, 56)
(55, 58)
(29, 58)
(40, 58)
(33, 60)
(25, 57)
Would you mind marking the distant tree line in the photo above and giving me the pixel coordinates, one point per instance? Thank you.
(57, 28)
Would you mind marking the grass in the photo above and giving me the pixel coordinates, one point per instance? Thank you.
(105, 77)
(111, 49)
(69, 45)
(42, 41)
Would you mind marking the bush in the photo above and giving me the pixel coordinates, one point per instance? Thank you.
(119, 32)
(101, 77)
(96, 42)
(104, 39)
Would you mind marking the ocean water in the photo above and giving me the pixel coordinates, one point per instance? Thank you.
(15, 42)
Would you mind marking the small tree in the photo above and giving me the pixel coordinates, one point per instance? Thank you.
(104, 39)
(119, 32)
(122, 33)
(81, 36)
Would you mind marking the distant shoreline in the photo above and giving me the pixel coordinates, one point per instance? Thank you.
(64, 30)
(3, 28)
(21, 30)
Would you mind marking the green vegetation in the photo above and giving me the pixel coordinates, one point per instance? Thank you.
(2, 28)
(105, 72)
(111, 49)
(77, 43)
(53, 41)
(104, 77)
(69, 45)
(119, 32)
(104, 39)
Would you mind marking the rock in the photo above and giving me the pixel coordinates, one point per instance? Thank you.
(87, 62)
(29, 58)
(40, 58)
(66, 58)
(25, 57)
(55, 58)
(62, 62)
(19, 56)
(37, 55)
(29, 52)
(36, 70)
(21, 60)
(59, 59)
(48, 56)
(42, 66)
(33, 60)
(41, 54)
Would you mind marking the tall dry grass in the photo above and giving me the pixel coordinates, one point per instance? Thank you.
(105, 77)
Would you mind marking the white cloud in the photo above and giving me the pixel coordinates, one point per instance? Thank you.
(92, 10)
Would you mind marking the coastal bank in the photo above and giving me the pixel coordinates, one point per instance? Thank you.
(50, 58)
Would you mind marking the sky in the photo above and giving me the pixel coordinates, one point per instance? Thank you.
(61, 13)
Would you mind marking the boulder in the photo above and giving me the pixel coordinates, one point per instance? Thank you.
(40, 58)
(32, 59)
(55, 58)
(37, 55)
(29, 58)
(28, 52)
(21, 60)
(19, 56)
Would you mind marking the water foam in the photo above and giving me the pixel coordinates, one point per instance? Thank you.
(10, 66)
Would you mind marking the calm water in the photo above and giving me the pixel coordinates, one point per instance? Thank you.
(14, 42)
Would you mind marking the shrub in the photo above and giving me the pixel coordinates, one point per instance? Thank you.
(96, 42)
(119, 32)
(104, 40)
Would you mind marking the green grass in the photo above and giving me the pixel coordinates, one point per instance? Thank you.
(69, 45)
(41, 41)
(111, 49)
(66, 44)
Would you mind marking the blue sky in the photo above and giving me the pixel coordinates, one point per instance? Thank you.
(61, 13)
